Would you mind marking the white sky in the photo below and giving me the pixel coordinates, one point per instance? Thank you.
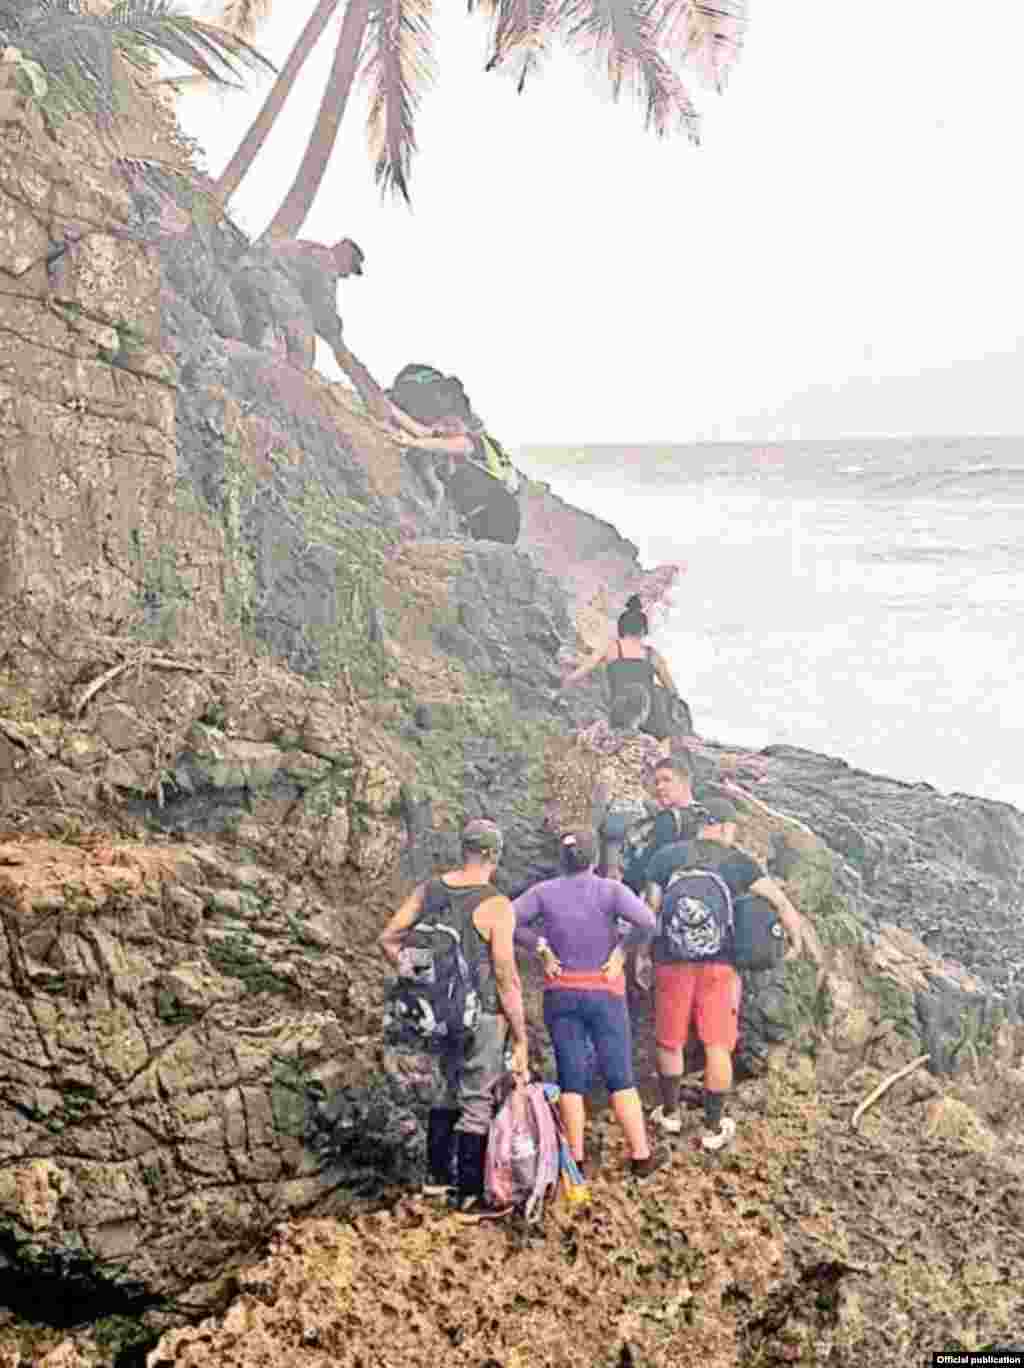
(854, 214)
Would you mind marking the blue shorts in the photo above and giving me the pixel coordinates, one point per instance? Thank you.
(585, 1022)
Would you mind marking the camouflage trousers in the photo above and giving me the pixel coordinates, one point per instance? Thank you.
(472, 1073)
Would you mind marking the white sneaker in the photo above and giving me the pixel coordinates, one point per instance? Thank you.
(436, 1191)
(718, 1139)
(671, 1125)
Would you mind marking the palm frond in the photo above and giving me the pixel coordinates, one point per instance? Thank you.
(708, 33)
(243, 17)
(521, 37)
(397, 65)
(76, 47)
(622, 38)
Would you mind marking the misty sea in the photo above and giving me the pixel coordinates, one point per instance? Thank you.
(864, 598)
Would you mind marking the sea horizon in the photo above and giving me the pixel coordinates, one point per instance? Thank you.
(866, 607)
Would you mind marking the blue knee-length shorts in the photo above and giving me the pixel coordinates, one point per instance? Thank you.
(584, 1023)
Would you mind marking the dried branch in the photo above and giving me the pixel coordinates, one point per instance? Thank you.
(885, 1085)
(141, 659)
(14, 735)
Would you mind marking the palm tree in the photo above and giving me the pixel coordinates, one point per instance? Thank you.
(69, 48)
(242, 17)
(638, 44)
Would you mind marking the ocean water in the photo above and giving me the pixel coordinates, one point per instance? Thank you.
(862, 598)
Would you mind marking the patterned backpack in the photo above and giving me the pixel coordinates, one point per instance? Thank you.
(435, 1001)
(696, 923)
(522, 1165)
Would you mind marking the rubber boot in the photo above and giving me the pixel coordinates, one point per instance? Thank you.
(471, 1152)
(440, 1147)
(470, 1201)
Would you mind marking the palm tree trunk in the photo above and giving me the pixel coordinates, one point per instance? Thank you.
(249, 147)
(297, 203)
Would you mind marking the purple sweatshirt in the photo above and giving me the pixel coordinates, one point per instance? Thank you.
(577, 914)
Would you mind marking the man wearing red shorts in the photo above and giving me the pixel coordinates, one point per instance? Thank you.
(708, 993)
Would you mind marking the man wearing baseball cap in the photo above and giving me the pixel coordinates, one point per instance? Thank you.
(466, 898)
(707, 993)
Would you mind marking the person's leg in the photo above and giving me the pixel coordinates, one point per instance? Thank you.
(673, 1004)
(441, 1120)
(608, 1018)
(629, 1113)
(564, 1019)
(572, 1111)
(481, 1071)
(440, 1149)
(716, 1008)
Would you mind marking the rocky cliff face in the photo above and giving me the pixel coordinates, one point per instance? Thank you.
(249, 685)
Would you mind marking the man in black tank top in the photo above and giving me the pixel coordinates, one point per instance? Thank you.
(466, 898)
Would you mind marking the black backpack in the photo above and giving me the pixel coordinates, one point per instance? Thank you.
(434, 1004)
(759, 939)
(696, 921)
(426, 394)
(668, 826)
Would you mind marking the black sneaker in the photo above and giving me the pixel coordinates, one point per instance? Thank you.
(643, 1168)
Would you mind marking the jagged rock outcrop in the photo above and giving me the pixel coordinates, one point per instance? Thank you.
(948, 867)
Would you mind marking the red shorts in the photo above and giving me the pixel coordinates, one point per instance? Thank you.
(709, 993)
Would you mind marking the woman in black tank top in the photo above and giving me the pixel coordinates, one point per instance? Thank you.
(630, 661)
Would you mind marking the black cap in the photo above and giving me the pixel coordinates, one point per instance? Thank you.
(583, 843)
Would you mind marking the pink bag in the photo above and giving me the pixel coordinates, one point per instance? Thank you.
(522, 1152)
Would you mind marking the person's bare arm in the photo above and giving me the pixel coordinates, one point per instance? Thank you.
(768, 889)
(662, 672)
(497, 921)
(390, 939)
(407, 422)
(501, 923)
(644, 962)
(628, 908)
(598, 658)
(454, 443)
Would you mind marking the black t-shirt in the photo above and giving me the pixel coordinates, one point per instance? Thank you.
(734, 867)
(651, 834)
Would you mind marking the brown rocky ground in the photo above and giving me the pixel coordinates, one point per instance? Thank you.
(807, 1244)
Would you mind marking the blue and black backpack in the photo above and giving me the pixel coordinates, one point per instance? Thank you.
(435, 1001)
(696, 920)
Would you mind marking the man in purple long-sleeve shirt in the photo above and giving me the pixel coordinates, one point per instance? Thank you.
(572, 923)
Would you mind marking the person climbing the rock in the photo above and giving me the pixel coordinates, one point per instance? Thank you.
(600, 776)
(705, 994)
(466, 900)
(436, 456)
(628, 759)
(678, 818)
(630, 660)
(287, 294)
(571, 922)
(478, 477)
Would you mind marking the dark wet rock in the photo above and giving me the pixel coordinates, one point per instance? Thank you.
(949, 868)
